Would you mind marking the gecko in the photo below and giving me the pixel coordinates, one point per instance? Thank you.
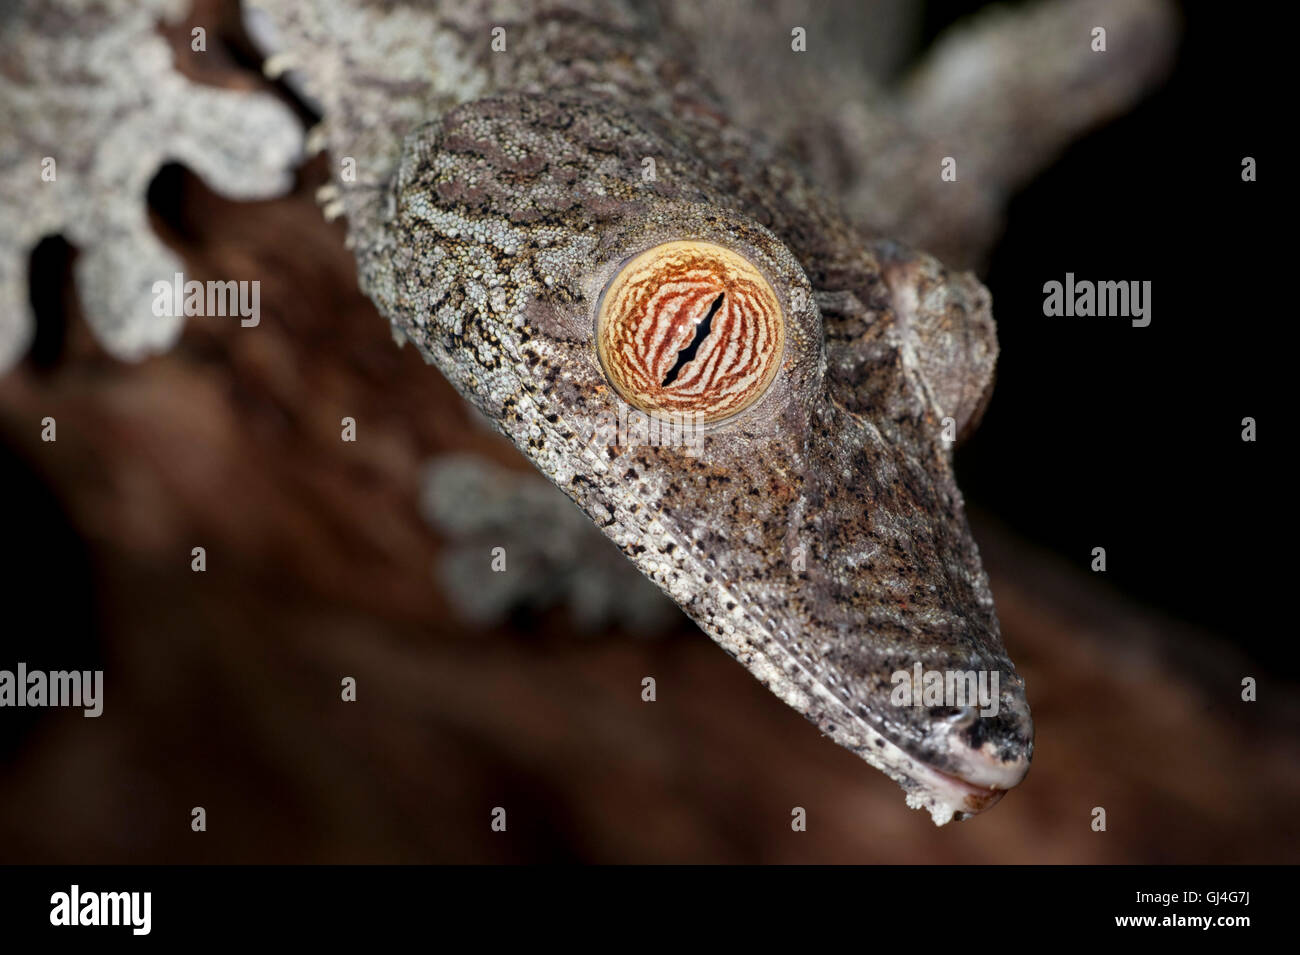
(553, 204)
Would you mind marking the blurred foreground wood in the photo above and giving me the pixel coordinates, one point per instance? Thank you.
(222, 688)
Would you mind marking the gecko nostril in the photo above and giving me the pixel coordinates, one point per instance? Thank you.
(956, 716)
(691, 329)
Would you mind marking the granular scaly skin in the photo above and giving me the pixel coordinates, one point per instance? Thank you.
(90, 109)
(818, 536)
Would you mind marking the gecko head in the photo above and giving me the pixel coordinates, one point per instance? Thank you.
(811, 487)
(754, 402)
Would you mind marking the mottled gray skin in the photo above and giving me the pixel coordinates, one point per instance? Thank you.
(512, 213)
(554, 556)
(818, 536)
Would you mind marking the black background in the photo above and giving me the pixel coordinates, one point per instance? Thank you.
(1102, 434)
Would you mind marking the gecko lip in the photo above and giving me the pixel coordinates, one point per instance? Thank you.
(967, 766)
(984, 769)
(962, 796)
(973, 778)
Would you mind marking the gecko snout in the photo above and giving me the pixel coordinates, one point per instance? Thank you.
(982, 754)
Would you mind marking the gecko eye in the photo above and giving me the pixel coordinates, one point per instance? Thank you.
(690, 328)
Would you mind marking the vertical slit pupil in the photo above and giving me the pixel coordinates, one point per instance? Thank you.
(701, 333)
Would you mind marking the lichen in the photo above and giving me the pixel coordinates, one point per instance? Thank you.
(92, 106)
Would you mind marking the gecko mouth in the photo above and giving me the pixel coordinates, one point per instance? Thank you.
(963, 797)
(966, 767)
(961, 772)
(971, 782)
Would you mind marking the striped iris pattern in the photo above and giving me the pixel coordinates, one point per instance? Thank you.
(690, 328)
